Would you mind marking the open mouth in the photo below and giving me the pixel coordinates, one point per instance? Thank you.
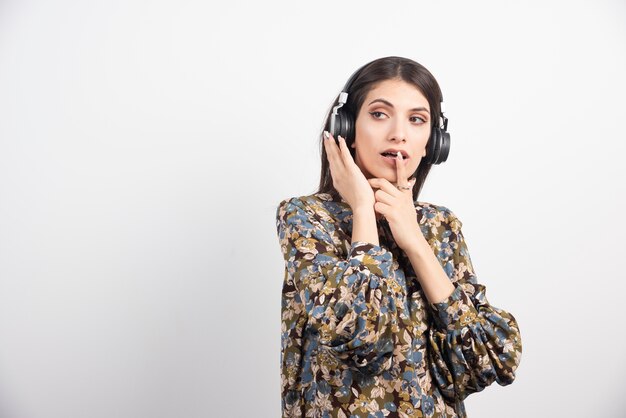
(393, 155)
(391, 158)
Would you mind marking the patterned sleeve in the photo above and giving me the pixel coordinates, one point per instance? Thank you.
(349, 299)
(292, 325)
(472, 343)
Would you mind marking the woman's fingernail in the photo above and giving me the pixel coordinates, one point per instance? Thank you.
(340, 138)
(326, 134)
(400, 155)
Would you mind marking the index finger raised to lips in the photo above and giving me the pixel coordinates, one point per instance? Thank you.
(401, 179)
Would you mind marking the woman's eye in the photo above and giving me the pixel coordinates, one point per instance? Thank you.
(422, 119)
(376, 114)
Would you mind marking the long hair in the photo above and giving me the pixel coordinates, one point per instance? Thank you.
(365, 80)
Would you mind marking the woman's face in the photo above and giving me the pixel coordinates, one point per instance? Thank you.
(394, 115)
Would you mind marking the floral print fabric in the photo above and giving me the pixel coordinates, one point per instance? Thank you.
(360, 339)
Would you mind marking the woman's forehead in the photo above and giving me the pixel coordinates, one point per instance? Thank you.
(396, 93)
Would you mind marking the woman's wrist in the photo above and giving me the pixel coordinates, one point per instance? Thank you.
(419, 248)
(364, 225)
(364, 209)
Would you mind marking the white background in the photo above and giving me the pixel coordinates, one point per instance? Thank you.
(145, 145)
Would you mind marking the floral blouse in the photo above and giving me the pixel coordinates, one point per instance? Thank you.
(358, 336)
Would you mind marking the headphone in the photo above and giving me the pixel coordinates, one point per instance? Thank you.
(342, 123)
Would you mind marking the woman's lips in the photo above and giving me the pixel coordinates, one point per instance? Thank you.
(389, 160)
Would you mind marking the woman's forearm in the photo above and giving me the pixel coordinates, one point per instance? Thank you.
(433, 279)
(364, 225)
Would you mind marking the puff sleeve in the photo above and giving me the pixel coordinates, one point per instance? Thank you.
(349, 299)
(471, 343)
(292, 326)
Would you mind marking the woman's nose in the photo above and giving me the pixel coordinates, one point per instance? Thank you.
(398, 131)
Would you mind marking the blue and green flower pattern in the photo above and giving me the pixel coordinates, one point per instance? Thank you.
(358, 336)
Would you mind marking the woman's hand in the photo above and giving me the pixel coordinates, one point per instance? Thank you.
(348, 179)
(398, 208)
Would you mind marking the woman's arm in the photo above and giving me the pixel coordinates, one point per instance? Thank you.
(472, 343)
(349, 299)
(293, 319)
(431, 276)
(364, 225)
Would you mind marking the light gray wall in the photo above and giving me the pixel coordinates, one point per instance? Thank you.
(144, 146)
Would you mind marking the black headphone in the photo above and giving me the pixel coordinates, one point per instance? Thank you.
(342, 123)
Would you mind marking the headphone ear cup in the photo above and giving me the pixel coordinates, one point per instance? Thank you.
(444, 151)
(438, 147)
(345, 125)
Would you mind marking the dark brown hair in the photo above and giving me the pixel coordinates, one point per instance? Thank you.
(366, 79)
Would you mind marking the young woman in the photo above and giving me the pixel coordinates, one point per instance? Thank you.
(382, 312)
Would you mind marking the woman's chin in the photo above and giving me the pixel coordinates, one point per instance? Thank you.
(391, 177)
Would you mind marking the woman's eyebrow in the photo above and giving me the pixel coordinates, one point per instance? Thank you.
(415, 109)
